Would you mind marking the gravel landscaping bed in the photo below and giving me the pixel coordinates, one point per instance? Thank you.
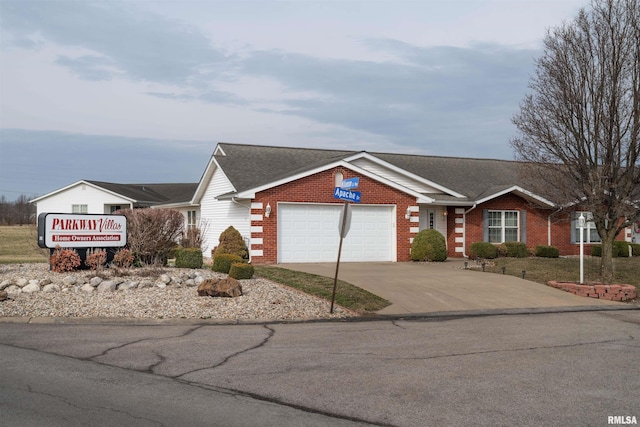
(158, 293)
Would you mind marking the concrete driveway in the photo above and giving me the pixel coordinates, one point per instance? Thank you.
(447, 286)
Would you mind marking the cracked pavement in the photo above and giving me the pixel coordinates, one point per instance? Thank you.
(524, 369)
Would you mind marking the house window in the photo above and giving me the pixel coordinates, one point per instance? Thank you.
(590, 233)
(79, 209)
(113, 208)
(191, 219)
(503, 226)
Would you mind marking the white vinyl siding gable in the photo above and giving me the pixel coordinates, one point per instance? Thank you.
(94, 198)
(220, 214)
(394, 176)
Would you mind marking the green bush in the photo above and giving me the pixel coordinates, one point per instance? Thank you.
(502, 250)
(173, 252)
(596, 250)
(241, 270)
(544, 251)
(483, 250)
(222, 263)
(429, 245)
(231, 242)
(635, 247)
(621, 248)
(516, 249)
(189, 258)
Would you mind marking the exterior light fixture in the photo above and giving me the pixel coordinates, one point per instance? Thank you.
(267, 210)
(407, 215)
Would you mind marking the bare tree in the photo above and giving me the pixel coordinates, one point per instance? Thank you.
(582, 121)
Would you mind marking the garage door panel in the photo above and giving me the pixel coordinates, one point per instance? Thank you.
(309, 233)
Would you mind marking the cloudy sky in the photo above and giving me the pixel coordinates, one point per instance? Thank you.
(141, 91)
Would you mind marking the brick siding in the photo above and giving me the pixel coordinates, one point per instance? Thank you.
(318, 188)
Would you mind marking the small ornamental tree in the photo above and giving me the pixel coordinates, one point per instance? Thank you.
(231, 242)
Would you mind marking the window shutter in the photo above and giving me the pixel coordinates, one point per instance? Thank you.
(523, 226)
(485, 225)
(574, 232)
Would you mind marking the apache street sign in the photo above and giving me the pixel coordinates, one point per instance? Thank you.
(348, 195)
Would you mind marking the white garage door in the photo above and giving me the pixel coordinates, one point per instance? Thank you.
(308, 232)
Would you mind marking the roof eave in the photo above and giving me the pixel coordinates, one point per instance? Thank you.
(517, 189)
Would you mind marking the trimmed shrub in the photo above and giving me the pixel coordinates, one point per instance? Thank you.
(596, 250)
(483, 250)
(63, 260)
(222, 263)
(231, 242)
(173, 253)
(544, 251)
(516, 249)
(96, 258)
(241, 270)
(621, 248)
(635, 248)
(189, 258)
(123, 258)
(502, 250)
(429, 245)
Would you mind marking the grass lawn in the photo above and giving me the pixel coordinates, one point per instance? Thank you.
(347, 295)
(541, 270)
(19, 244)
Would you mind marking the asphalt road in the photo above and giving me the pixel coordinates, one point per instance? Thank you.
(527, 369)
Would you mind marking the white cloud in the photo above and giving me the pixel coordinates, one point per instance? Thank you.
(433, 77)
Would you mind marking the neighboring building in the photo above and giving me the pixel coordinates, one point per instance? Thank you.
(96, 197)
(281, 200)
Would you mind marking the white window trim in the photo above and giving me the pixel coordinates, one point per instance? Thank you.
(79, 208)
(503, 226)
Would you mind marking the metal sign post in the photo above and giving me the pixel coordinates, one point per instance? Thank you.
(342, 235)
(344, 193)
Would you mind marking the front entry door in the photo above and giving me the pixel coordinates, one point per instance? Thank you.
(427, 219)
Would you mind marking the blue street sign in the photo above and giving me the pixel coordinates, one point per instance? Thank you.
(351, 196)
(350, 183)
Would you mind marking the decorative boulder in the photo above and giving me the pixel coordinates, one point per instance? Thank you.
(228, 288)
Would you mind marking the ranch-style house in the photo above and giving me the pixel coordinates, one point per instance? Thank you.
(281, 199)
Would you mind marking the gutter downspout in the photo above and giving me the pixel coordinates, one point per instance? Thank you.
(464, 230)
(549, 225)
(233, 200)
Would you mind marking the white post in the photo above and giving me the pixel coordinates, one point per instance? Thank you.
(581, 224)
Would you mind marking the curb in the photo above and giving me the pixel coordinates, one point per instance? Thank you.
(433, 316)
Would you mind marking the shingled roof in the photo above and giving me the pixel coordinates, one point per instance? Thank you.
(151, 194)
(252, 166)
